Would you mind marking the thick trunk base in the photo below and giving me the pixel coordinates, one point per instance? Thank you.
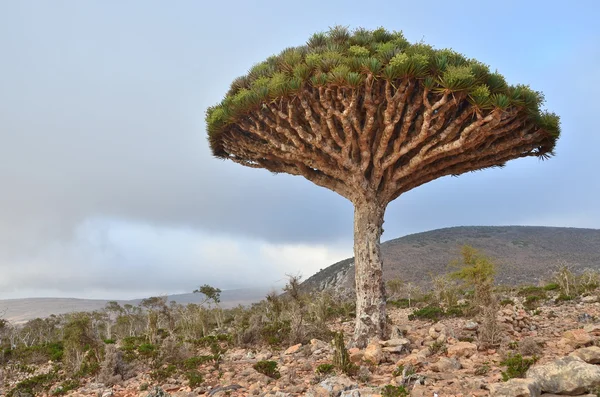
(370, 289)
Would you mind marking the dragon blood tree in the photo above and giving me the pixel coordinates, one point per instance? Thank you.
(371, 116)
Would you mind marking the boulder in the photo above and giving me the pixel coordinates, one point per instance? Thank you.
(462, 349)
(516, 388)
(445, 364)
(398, 345)
(577, 337)
(567, 376)
(373, 353)
(590, 355)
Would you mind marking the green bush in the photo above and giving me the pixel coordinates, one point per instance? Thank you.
(432, 313)
(324, 369)
(268, 368)
(551, 287)
(563, 298)
(194, 378)
(394, 391)
(400, 303)
(516, 366)
(147, 349)
(163, 373)
(66, 386)
(33, 386)
(193, 362)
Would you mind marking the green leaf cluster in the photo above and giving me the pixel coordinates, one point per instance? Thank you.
(344, 58)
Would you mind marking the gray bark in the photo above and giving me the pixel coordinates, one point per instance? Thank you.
(370, 289)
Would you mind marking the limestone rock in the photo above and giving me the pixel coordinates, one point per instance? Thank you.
(373, 353)
(590, 355)
(462, 349)
(293, 349)
(445, 364)
(333, 386)
(577, 337)
(516, 388)
(568, 376)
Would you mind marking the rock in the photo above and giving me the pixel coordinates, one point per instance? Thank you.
(471, 326)
(568, 375)
(355, 354)
(293, 349)
(516, 388)
(592, 329)
(264, 356)
(589, 299)
(462, 349)
(445, 364)
(397, 345)
(395, 342)
(415, 359)
(333, 386)
(107, 393)
(157, 392)
(317, 344)
(373, 353)
(590, 355)
(577, 337)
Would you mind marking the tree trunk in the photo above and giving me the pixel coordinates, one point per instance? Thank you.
(370, 289)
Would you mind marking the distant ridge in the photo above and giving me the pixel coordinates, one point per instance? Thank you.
(22, 310)
(523, 254)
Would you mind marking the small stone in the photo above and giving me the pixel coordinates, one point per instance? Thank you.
(293, 349)
(471, 326)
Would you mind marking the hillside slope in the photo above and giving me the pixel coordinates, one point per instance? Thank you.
(523, 254)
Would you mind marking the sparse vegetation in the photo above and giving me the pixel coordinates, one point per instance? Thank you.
(268, 368)
(516, 366)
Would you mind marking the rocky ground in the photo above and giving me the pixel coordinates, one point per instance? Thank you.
(439, 359)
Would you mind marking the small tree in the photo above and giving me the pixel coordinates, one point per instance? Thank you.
(476, 271)
(212, 297)
(370, 116)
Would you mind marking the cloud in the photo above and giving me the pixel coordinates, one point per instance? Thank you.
(107, 185)
(110, 258)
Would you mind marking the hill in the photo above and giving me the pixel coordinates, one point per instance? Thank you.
(22, 310)
(523, 254)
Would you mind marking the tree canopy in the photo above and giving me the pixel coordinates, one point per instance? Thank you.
(368, 101)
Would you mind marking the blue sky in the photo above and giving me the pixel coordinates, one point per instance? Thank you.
(108, 186)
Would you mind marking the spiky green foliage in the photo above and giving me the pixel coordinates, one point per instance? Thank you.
(344, 58)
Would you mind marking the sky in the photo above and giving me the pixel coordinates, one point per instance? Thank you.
(107, 185)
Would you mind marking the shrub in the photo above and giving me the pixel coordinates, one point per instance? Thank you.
(551, 287)
(516, 366)
(193, 362)
(33, 386)
(394, 391)
(529, 347)
(163, 373)
(66, 386)
(437, 347)
(324, 369)
(482, 370)
(194, 378)
(268, 368)
(432, 313)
